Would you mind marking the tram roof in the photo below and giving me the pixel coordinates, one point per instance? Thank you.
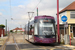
(38, 17)
(44, 16)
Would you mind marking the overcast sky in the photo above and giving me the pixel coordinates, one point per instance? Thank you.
(19, 9)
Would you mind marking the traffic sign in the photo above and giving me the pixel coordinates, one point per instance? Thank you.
(64, 18)
(66, 25)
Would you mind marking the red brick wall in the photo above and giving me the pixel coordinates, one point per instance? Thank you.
(1, 32)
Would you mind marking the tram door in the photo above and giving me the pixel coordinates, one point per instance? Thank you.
(74, 31)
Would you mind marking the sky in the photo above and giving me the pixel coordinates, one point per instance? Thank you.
(18, 10)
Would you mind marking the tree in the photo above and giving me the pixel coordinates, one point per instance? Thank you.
(11, 30)
(2, 26)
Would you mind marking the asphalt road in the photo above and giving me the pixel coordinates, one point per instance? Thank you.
(0, 45)
(10, 47)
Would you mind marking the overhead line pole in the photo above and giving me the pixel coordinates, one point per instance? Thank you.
(29, 15)
(6, 26)
(29, 21)
(58, 21)
(37, 11)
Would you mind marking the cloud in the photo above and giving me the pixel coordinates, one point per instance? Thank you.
(2, 10)
(45, 7)
(0, 13)
(3, 0)
(48, 7)
(48, 12)
(25, 17)
(21, 6)
(63, 3)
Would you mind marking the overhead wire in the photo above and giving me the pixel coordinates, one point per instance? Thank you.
(4, 11)
(10, 12)
(36, 5)
(18, 23)
(10, 9)
(33, 10)
(3, 17)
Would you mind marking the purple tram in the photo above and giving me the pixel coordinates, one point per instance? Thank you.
(41, 29)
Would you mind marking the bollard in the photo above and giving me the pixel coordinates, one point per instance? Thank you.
(1, 36)
(70, 39)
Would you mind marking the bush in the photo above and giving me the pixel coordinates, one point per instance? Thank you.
(5, 35)
(2, 26)
(11, 30)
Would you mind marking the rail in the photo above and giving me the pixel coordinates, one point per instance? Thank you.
(16, 43)
(4, 45)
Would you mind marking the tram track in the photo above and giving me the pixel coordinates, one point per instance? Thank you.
(9, 41)
(16, 43)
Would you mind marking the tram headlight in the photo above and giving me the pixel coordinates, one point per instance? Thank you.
(41, 37)
(53, 36)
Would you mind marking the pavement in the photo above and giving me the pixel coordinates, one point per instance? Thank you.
(68, 46)
(2, 40)
(73, 42)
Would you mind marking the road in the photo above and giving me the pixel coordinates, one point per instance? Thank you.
(17, 42)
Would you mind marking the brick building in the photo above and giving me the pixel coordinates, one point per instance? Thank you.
(2, 31)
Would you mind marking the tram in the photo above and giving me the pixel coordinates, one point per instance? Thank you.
(41, 29)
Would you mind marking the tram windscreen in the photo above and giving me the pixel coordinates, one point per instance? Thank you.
(46, 28)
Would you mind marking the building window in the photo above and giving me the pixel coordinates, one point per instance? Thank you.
(72, 14)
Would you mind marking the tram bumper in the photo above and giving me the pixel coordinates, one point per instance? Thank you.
(44, 40)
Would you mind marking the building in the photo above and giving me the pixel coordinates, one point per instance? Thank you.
(69, 11)
(2, 31)
(18, 30)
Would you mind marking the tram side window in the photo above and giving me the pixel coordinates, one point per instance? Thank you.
(36, 32)
(31, 29)
(26, 30)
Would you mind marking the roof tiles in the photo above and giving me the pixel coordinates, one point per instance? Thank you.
(70, 7)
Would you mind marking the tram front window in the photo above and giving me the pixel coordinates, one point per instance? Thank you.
(46, 28)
